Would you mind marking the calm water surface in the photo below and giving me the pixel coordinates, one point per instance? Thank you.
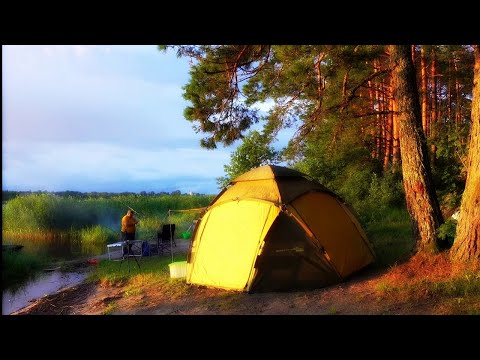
(40, 286)
(56, 248)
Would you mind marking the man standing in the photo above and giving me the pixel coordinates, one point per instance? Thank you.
(128, 230)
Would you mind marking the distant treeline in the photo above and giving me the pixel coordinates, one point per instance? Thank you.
(8, 194)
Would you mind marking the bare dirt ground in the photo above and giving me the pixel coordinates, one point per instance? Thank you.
(359, 295)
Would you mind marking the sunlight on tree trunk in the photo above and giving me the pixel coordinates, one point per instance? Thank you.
(424, 91)
(420, 195)
(434, 118)
(466, 246)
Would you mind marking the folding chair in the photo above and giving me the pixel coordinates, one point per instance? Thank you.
(166, 238)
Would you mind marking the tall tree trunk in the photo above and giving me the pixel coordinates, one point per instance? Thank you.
(424, 91)
(320, 83)
(388, 128)
(458, 108)
(396, 142)
(434, 118)
(371, 94)
(467, 241)
(379, 118)
(422, 203)
(383, 118)
(449, 90)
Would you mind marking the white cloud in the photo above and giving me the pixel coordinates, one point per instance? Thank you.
(81, 50)
(65, 50)
(99, 118)
(265, 106)
(48, 51)
(133, 48)
(85, 105)
(53, 166)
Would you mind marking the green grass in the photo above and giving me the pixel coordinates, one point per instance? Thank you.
(117, 271)
(463, 290)
(153, 272)
(459, 289)
(391, 237)
(111, 307)
(466, 284)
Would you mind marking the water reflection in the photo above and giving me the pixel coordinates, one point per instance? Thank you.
(40, 286)
(59, 246)
(56, 248)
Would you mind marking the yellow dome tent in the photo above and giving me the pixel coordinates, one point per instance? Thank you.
(273, 229)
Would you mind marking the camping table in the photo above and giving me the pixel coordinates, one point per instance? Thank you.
(121, 243)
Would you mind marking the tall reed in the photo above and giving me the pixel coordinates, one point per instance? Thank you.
(37, 216)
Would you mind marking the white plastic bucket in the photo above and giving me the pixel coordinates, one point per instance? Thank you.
(178, 269)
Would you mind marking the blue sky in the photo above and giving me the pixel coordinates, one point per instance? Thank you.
(101, 118)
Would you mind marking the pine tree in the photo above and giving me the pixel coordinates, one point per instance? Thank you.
(420, 195)
(467, 240)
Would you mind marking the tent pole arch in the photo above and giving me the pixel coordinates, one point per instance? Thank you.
(171, 235)
(169, 222)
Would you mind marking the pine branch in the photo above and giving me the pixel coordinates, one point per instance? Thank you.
(352, 94)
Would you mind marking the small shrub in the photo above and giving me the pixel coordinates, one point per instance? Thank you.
(446, 232)
(111, 307)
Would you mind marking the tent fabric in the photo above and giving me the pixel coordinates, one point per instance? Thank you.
(267, 172)
(291, 260)
(273, 229)
(258, 189)
(329, 221)
(234, 228)
(291, 188)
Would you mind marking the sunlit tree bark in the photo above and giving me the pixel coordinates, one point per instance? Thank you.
(434, 118)
(467, 241)
(424, 91)
(421, 200)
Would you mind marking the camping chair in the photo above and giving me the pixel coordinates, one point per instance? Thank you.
(166, 238)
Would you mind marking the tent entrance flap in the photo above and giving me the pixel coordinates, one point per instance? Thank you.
(229, 243)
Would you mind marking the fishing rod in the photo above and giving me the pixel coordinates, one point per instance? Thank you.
(135, 211)
(129, 207)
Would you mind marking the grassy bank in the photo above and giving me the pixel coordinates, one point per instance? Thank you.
(430, 277)
(155, 268)
(153, 273)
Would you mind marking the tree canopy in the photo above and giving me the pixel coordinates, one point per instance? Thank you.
(343, 102)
